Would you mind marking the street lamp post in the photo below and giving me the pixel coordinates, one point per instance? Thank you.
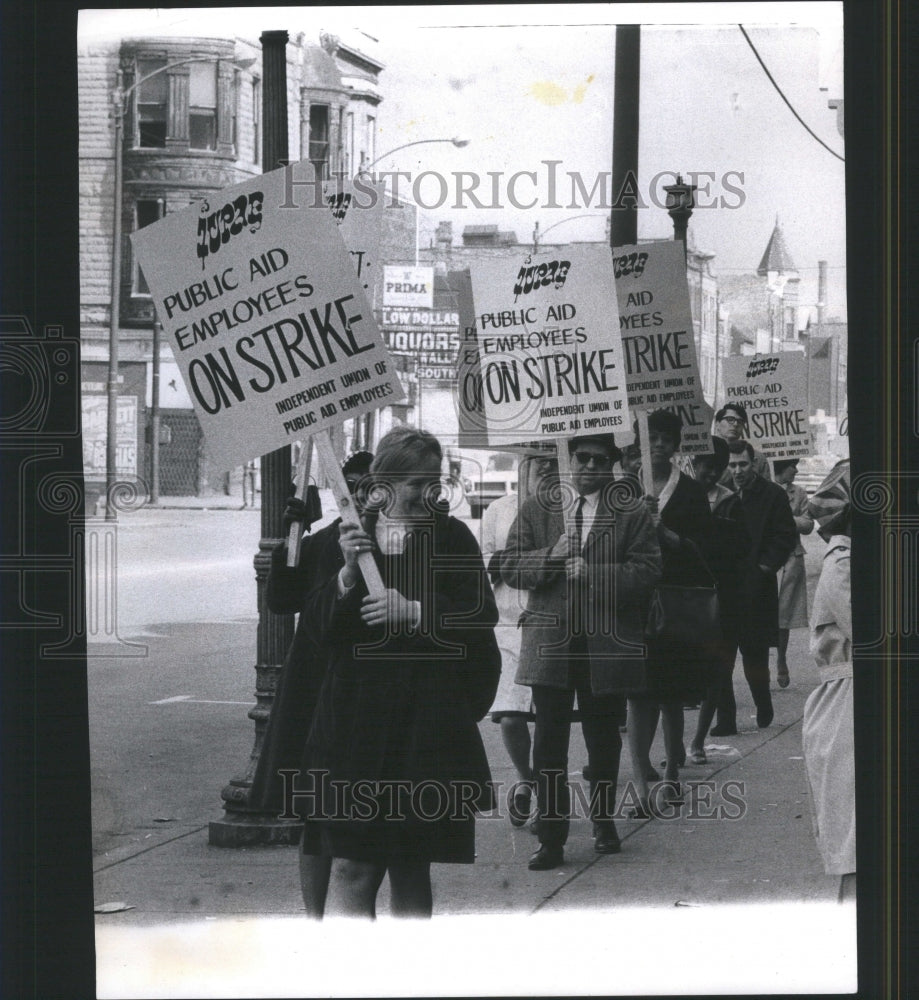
(679, 207)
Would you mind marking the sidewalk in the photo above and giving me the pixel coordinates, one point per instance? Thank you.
(674, 891)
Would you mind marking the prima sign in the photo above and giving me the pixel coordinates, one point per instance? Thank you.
(408, 286)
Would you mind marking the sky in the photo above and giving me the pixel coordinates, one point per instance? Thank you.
(526, 84)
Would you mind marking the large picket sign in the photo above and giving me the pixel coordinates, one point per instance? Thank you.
(268, 319)
(549, 357)
(358, 210)
(773, 390)
(655, 320)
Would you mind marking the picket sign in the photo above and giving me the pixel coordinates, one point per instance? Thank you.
(347, 508)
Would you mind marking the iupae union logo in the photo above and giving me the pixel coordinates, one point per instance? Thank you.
(339, 203)
(216, 228)
(762, 366)
(536, 276)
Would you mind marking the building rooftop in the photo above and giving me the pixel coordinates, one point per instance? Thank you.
(776, 258)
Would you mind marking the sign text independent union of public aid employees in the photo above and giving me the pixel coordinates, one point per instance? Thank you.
(268, 319)
(546, 346)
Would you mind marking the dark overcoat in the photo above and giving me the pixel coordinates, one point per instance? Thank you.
(404, 705)
(770, 527)
(678, 672)
(297, 690)
(623, 561)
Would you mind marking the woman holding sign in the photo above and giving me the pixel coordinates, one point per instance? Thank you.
(675, 673)
(395, 745)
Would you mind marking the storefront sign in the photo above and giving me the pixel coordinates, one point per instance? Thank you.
(408, 286)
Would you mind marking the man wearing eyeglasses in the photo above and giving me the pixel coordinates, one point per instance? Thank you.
(731, 425)
(581, 632)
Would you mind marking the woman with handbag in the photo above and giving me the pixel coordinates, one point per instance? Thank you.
(676, 669)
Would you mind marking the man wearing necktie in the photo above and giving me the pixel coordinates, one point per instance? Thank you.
(582, 631)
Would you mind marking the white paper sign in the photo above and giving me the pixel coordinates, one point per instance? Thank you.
(408, 286)
(773, 391)
(268, 321)
(550, 357)
(655, 319)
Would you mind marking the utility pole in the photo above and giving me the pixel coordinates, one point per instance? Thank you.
(624, 219)
(250, 818)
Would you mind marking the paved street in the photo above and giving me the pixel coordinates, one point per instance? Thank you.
(169, 729)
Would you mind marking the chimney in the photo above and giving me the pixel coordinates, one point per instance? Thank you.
(821, 295)
(443, 237)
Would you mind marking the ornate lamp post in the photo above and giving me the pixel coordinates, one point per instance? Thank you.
(679, 207)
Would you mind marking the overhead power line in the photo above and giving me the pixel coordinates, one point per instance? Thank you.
(785, 99)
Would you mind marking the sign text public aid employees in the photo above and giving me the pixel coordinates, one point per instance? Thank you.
(276, 336)
(773, 392)
(548, 364)
(655, 320)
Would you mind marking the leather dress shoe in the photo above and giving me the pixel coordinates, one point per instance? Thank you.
(607, 841)
(723, 731)
(764, 716)
(546, 858)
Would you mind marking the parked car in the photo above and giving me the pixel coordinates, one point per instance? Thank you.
(498, 478)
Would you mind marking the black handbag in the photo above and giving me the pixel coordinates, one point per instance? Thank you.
(685, 615)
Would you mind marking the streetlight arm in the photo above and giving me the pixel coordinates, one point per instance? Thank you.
(459, 143)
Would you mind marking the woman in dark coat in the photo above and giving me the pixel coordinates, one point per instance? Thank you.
(675, 673)
(395, 745)
(301, 677)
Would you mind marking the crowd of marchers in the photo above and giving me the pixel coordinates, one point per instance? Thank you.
(611, 596)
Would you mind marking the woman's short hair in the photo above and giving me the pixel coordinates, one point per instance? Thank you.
(357, 464)
(666, 422)
(781, 464)
(736, 407)
(403, 449)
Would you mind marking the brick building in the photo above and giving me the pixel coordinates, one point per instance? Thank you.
(192, 125)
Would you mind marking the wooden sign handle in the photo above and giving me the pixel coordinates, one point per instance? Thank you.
(346, 508)
(564, 475)
(647, 477)
(303, 479)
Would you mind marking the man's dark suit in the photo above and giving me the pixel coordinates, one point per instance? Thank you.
(600, 661)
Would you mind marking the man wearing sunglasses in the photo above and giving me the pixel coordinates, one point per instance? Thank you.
(581, 631)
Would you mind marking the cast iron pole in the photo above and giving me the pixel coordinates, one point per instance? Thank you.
(250, 817)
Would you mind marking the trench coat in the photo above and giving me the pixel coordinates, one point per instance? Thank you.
(403, 706)
(623, 561)
(827, 731)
